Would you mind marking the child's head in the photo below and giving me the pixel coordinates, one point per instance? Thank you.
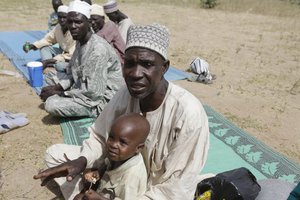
(127, 136)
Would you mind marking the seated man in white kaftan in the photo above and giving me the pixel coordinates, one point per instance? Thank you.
(177, 145)
(55, 58)
(93, 75)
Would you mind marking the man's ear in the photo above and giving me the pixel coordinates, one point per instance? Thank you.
(166, 66)
(140, 147)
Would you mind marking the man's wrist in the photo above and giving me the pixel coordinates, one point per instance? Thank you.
(82, 162)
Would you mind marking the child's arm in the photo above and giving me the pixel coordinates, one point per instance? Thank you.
(92, 195)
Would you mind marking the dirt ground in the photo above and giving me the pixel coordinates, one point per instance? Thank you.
(256, 59)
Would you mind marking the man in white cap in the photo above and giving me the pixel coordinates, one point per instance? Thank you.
(114, 14)
(93, 75)
(52, 56)
(176, 148)
(107, 30)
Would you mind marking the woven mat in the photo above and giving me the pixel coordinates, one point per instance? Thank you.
(230, 147)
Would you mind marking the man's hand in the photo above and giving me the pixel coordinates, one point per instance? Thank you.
(51, 90)
(69, 169)
(28, 47)
(49, 62)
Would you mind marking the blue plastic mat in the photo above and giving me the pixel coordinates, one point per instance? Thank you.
(11, 46)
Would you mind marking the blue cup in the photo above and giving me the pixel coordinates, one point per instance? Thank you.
(35, 70)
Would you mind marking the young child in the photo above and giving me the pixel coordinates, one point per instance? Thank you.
(125, 176)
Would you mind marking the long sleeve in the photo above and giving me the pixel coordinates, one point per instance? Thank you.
(93, 148)
(65, 55)
(112, 35)
(67, 80)
(67, 44)
(48, 40)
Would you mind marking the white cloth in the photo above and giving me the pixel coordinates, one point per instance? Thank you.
(199, 66)
(80, 7)
(176, 148)
(127, 182)
(123, 27)
(63, 9)
(110, 6)
(55, 156)
(10, 121)
(65, 41)
(97, 10)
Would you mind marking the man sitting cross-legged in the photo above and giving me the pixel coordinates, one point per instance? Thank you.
(93, 75)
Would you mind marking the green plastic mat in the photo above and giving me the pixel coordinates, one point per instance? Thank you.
(230, 148)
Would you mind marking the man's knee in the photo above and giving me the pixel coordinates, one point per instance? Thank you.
(52, 155)
(60, 153)
(52, 105)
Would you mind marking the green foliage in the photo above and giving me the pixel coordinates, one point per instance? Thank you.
(208, 3)
(295, 2)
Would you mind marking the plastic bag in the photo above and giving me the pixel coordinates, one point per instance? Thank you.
(237, 184)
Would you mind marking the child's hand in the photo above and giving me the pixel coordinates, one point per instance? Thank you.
(91, 176)
(92, 195)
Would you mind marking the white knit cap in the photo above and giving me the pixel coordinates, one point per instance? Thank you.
(97, 10)
(110, 6)
(80, 7)
(63, 9)
(154, 37)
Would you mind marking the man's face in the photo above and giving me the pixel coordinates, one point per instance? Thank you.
(122, 143)
(143, 70)
(78, 25)
(113, 16)
(56, 4)
(62, 19)
(97, 22)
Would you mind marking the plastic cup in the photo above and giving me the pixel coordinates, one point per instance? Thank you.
(35, 70)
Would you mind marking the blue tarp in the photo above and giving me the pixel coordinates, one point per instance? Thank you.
(11, 46)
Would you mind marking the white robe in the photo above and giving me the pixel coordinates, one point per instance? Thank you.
(123, 27)
(127, 182)
(176, 148)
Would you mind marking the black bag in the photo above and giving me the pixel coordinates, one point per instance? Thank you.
(237, 184)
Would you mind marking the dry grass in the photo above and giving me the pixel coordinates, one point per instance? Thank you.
(281, 8)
